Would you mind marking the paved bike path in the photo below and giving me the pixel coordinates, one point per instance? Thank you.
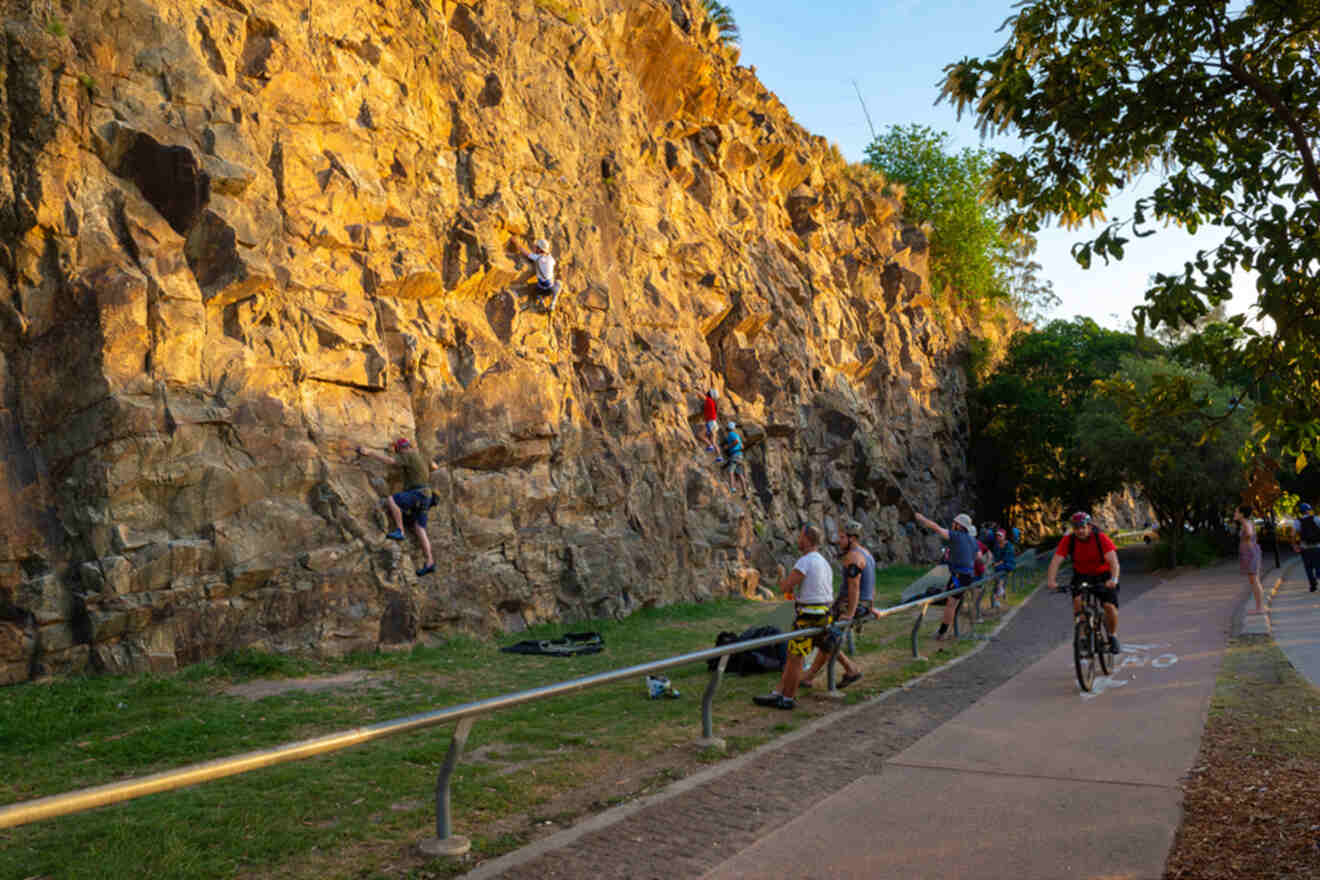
(1036, 780)
(1295, 623)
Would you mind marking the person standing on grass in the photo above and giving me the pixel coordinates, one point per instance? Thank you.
(964, 553)
(853, 604)
(411, 505)
(1249, 555)
(1307, 529)
(811, 586)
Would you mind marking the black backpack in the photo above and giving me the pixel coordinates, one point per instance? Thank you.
(1310, 530)
(1072, 544)
(764, 659)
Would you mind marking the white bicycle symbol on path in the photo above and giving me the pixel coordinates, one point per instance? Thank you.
(1132, 656)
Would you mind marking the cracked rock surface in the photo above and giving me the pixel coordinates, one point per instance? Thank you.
(239, 239)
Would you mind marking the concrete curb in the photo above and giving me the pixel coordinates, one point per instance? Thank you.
(561, 839)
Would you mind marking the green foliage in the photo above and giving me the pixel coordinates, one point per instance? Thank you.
(1159, 426)
(721, 16)
(1219, 98)
(1195, 549)
(55, 27)
(944, 189)
(1024, 417)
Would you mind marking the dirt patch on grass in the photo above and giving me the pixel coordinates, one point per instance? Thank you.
(1252, 806)
(271, 687)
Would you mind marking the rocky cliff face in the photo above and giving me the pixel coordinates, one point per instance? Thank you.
(241, 238)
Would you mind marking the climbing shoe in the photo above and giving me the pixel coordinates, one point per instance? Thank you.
(770, 699)
(425, 570)
(396, 535)
(1113, 645)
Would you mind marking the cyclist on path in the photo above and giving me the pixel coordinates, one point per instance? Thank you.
(1093, 557)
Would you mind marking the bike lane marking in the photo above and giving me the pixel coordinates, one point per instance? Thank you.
(1134, 656)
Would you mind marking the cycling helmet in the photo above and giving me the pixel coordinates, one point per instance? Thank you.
(401, 444)
(733, 425)
(1304, 507)
(1080, 519)
(852, 528)
(713, 393)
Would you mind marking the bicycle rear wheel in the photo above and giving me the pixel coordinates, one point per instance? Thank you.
(1084, 653)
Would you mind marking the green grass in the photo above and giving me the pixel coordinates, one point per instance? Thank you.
(357, 812)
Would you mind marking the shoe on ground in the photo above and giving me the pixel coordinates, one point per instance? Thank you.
(425, 570)
(396, 535)
(1113, 645)
(786, 703)
(850, 678)
(771, 699)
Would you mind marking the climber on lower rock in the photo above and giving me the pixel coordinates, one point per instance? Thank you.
(410, 506)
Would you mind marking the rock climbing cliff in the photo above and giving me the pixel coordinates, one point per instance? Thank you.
(241, 238)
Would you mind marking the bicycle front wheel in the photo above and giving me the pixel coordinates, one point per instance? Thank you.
(1102, 648)
(1084, 653)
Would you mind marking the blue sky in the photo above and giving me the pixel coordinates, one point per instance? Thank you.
(809, 54)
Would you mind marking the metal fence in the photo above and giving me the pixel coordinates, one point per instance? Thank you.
(464, 715)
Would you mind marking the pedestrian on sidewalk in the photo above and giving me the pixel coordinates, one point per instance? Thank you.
(1307, 529)
(965, 552)
(1249, 555)
(410, 506)
(811, 586)
(854, 603)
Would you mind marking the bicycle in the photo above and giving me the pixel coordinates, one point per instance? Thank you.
(1090, 637)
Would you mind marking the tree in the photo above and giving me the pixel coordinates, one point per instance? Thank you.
(970, 250)
(1223, 99)
(1024, 417)
(1147, 426)
(722, 17)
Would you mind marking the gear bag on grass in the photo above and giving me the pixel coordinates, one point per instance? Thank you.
(766, 658)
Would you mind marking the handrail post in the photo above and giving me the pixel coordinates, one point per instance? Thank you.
(445, 842)
(708, 737)
(916, 629)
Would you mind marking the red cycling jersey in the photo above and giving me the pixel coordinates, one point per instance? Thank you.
(1088, 556)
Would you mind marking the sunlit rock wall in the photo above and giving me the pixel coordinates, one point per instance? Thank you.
(240, 238)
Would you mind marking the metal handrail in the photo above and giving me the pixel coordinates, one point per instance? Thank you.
(52, 806)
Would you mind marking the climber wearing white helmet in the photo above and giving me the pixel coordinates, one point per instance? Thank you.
(544, 264)
(733, 457)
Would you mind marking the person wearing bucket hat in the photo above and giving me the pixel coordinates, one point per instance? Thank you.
(964, 551)
(410, 506)
(733, 458)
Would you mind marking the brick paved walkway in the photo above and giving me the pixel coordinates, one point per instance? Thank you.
(699, 822)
